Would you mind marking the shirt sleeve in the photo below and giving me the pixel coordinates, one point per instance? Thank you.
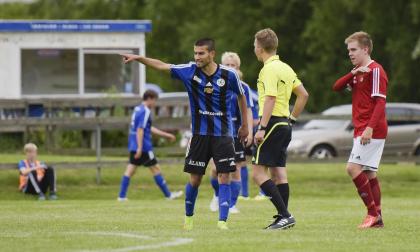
(235, 84)
(142, 118)
(247, 92)
(296, 82)
(21, 165)
(379, 83)
(181, 71)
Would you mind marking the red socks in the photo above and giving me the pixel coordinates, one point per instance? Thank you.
(365, 192)
(376, 192)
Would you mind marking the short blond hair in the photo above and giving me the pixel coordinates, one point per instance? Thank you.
(29, 147)
(232, 55)
(267, 40)
(363, 38)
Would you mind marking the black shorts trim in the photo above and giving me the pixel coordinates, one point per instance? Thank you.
(272, 152)
(146, 159)
(202, 148)
(239, 151)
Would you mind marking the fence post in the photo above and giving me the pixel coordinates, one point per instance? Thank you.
(98, 153)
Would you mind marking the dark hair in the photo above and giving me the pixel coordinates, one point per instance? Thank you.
(209, 42)
(150, 94)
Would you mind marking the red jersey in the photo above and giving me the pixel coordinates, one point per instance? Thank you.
(368, 90)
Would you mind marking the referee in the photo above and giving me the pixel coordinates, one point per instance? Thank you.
(276, 82)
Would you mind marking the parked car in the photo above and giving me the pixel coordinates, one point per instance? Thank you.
(334, 137)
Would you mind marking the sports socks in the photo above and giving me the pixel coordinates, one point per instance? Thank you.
(244, 181)
(270, 189)
(365, 192)
(190, 197)
(215, 184)
(224, 201)
(125, 182)
(160, 181)
(284, 192)
(376, 192)
(235, 188)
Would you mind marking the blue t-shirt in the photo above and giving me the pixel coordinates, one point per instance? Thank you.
(236, 113)
(22, 166)
(210, 97)
(255, 108)
(140, 118)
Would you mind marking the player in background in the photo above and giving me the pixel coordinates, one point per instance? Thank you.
(210, 88)
(141, 149)
(276, 82)
(232, 60)
(368, 83)
(35, 176)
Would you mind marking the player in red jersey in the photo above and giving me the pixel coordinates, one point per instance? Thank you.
(368, 83)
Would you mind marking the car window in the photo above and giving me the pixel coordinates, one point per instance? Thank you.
(401, 116)
(324, 124)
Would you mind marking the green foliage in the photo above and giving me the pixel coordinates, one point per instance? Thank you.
(311, 35)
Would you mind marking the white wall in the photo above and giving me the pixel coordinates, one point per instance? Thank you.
(11, 43)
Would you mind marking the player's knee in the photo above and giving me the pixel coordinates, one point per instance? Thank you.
(129, 172)
(224, 178)
(155, 170)
(352, 170)
(195, 180)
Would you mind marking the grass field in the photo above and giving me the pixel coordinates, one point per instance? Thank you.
(88, 218)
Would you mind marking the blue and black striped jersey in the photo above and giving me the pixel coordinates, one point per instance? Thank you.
(210, 97)
(236, 113)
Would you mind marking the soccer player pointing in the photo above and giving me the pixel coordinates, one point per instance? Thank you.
(276, 82)
(368, 83)
(210, 87)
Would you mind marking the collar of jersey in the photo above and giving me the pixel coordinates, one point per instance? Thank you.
(272, 58)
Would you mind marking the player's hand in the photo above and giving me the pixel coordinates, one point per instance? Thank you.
(366, 136)
(171, 137)
(259, 137)
(243, 133)
(248, 140)
(129, 57)
(138, 154)
(362, 69)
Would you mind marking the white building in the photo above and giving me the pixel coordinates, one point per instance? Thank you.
(66, 58)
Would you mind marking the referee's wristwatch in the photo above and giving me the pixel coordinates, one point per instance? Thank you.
(292, 119)
(263, 128)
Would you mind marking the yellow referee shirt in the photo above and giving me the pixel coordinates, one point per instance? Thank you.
(276, 79)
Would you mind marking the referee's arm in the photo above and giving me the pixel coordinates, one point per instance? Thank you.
(301, 99)
(153, 63)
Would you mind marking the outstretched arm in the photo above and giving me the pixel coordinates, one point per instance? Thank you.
(164, 134)
(153, 63)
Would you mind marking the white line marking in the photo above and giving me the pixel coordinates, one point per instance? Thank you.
(174, 242)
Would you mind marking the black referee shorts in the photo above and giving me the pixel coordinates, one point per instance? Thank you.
(272, 152)
(202, 148)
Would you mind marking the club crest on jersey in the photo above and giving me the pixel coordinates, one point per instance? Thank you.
(197, 79)
(220, 82)
(208, 89)
(361, 79)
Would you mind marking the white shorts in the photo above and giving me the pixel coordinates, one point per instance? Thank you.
(369, 155)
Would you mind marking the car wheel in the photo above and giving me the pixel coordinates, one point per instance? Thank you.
(322, 152)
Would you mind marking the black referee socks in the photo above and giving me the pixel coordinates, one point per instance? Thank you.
(270, 189)
(284, 192)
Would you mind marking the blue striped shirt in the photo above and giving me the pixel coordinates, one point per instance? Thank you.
(210, 97)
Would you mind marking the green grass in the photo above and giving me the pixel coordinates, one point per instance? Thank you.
(88, 218)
